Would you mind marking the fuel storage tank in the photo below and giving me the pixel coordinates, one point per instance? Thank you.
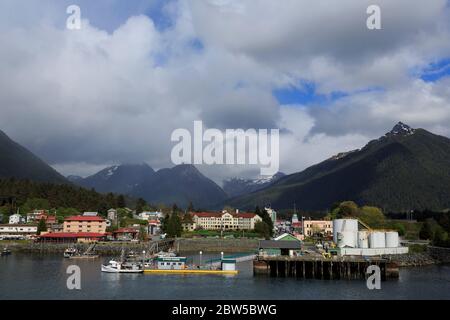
(363, 239)
(345, 232)
(392, 240)
(377, 239)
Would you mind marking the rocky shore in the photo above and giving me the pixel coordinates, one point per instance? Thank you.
(413, 259)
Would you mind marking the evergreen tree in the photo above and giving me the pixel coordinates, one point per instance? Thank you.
(173, 225)
(42, 226)
(142, 233)
(121, 201)
(262, 229)
(266, 219)
(140, 204)
(190, 207)
(426, 232)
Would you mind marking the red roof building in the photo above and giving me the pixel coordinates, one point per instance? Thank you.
(225, 220)
(48, 219)
(89, 224)
(84, 218)
(72, 237)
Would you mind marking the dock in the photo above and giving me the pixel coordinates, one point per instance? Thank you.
(191, 271)
(304, 267)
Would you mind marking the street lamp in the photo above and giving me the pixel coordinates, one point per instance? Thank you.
(143, 259)
(303, 226)
(201, 252)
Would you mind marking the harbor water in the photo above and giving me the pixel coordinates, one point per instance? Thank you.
(25, 276)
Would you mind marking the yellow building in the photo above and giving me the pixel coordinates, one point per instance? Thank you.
(225, 220)
(313, 227)
(89, 224)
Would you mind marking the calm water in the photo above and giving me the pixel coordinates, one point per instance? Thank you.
(44, 277)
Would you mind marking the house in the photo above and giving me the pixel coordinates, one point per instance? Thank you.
(16, 219)
(225, 220)
(150, 215)
(154, 227)
(112, 214)
(17, 231)
(48, 219)
(33, 216)
(86, 224)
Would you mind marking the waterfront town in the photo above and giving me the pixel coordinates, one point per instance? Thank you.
(337, 246)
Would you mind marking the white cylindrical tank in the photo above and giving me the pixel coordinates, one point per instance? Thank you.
(377, 239)
(392, 239)
(337, 227)
(347, 225)
(363, 239)
(346, 239)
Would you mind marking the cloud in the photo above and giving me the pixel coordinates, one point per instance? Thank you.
(114, 91)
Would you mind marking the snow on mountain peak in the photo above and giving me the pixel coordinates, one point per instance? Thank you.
(401, 129)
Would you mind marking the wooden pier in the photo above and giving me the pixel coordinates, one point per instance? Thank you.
(346, 268)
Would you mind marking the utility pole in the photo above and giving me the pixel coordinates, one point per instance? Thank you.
(303, 226)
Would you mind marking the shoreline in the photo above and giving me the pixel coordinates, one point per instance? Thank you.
(431, 256)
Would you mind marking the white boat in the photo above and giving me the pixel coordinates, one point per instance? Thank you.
(5, 252)
(168, 254)
(119, 267)
(69, 252)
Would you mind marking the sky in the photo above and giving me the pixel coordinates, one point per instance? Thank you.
(114, 91)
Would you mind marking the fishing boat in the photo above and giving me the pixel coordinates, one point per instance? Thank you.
(88, 254)
(5, 252)
(123, 265)
(69, 252)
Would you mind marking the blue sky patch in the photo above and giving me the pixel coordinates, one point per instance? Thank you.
(307, 95)
(436, 71)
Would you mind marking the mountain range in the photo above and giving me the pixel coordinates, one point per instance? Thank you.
(18, 162)
(237, 186)
(403, 170)
(181, 184)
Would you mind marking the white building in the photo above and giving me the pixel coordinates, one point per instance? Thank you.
(16, 219)
(16, 231)
(90, 214)
(32, 216)
(273, 215)
(225, 220)
(112, 214)
(150, 215)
